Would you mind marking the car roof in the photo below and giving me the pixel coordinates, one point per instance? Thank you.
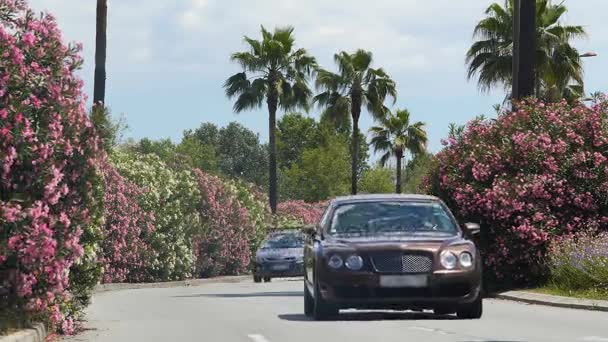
(284, 231)
(384, 197)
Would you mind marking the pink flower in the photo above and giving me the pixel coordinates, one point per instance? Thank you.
(29, 39)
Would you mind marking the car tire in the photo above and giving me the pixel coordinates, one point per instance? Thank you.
(471, 311)
(442, 311)
(257, 279)
(267, 279)
(309, 302)
(322, 310)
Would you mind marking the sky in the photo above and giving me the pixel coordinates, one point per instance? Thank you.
(167, 60)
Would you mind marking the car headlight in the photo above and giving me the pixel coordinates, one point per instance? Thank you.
(449, 260)
(466, 259)
(335, 262)
(354, 263)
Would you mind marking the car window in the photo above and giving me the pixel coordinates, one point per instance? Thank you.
(289, 240)
(392, 217)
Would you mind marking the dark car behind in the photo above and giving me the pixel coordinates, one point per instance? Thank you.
(281, 255)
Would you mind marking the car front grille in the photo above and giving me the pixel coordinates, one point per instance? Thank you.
(402, 263)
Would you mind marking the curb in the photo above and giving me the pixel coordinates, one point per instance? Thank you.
(37, 333)
(184, 283)
(554, 301)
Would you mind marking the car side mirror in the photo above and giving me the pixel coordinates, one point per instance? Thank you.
(310, 230)
(473, 228)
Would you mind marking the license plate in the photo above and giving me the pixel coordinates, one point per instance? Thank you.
(404, 281)
(280, 267)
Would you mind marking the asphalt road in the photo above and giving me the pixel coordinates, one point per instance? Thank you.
(248, 312)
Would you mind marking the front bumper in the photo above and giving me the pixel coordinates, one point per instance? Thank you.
(363, 290)
(279, 269)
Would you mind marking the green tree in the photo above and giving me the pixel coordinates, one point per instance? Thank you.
(355, 85)
(323, 172)
(558, 64)
(109, 130)
(208, 134)
(196, 155)
(377, 181)
(295, 133)
(273, 70)
(241, 155)
(397, 136)
(415, 171)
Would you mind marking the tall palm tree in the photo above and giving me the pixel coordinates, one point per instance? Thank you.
(397, 136)
(355, 85)
(558, 64)
(99, 91)
(275, 72)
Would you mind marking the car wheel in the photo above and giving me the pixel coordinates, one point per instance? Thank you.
(309, 302)
(322, 310)
(267, 279)
(257, 279)
(471, 311)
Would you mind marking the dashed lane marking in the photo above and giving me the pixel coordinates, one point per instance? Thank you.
(257, 338)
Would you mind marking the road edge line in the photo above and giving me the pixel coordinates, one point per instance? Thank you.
(533, 301)
(101, 288)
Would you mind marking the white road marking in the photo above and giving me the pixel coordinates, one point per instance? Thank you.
(595, 339)
(257, 338)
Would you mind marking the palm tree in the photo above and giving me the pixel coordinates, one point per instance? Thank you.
(354, 86)
(558, 64)
(99, 91)
(274, 71)
(397, 136)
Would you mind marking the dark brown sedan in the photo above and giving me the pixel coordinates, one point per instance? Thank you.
(397, 252)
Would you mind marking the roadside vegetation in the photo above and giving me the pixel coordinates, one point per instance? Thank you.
(81, 206)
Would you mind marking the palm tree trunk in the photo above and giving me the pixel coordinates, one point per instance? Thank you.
(399, 159)
(516, 49)
(273, 99)
(527, 48)
(99, 92)
(355, 154)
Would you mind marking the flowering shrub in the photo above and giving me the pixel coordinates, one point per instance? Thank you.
(125, 251)
(172, 197)
(222, 248)
(49, 216)
(256, 203)
(300, 211)
(529, 177)
(580, 262)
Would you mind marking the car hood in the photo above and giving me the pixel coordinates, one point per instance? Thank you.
(431, 243)
(278, 253)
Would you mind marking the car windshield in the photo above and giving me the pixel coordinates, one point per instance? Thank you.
(391, 218)
(288, 240)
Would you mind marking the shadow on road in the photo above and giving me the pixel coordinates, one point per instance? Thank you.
(372, 316)
(244, 295)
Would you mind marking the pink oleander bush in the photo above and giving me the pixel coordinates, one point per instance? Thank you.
(222, 248)
(529, 177)
(49, 180)
(301, 212)
(125, 250)
(579, 262)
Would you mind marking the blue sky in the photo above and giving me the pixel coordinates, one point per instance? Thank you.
(167, 60)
